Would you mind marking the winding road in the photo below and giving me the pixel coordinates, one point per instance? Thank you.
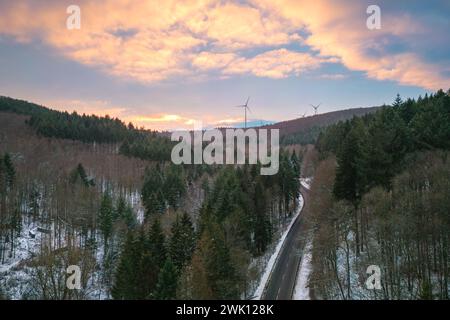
(282, 280)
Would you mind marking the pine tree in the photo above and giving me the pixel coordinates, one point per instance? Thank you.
(127, 278)
(295, 164)
(156, 242)
(350, 182)
(79, 174)
(153, 258)
(182, 241)
(9, 170)
(105, 217)
(166, 288)
(398, 101)
(262, 226)
(174, 185)
(152, 194)
(119, 211)
(351, 174)
(214, 255)
(129, 217)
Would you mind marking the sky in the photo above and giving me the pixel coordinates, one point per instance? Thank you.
(165, 64)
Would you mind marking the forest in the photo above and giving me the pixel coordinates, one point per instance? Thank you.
(94, 192)
(138, 226)
(380, 196)
(144, 144)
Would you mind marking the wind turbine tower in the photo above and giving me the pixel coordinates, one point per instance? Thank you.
(315, 108)
(246, 107)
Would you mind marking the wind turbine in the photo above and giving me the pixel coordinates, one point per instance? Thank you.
(246, 107)
(303, 115)
(315, 108)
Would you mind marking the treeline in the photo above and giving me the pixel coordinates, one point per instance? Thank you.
(308, 136)
(134, 142)
(387, 202)
(148, 146)
(208, 259)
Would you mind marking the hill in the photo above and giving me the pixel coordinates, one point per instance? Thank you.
(306, 130)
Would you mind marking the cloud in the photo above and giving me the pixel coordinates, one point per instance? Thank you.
(155, 41)
(228, 121)
(276, 64)
(208, 60)
(337, 28)
(333, 76)
(237, 26)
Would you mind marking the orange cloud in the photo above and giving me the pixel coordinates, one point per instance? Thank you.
(337, 28)
(228, 121)
(276, 64)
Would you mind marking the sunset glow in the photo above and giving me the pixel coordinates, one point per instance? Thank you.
(164, 64)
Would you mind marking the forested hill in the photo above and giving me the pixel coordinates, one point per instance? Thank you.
(383, 139)
(306, 130)
(382, 190)
(144, 144)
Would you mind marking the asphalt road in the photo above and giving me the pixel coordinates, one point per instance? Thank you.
(282, 280)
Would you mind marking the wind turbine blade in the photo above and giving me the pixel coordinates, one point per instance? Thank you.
(246, 104)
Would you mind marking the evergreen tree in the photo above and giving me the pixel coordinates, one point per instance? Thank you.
(153, 258)
(398, 101)
(119, 211)
(105, 217)
(10, 172)
(152, 194)
(295, 164)
(182, 241)
(79, 174)
(156, 243)
(128, 217)
(127, 279)
(166, 287)
(350, 179)
(174, 185)
(262, 223)
(215, 256)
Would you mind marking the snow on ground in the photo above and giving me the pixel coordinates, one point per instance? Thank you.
(134, 198)
(301, 290)
(26, 247)
(273, 258)
(15, 275)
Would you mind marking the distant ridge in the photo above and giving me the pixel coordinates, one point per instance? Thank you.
(305, 130)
